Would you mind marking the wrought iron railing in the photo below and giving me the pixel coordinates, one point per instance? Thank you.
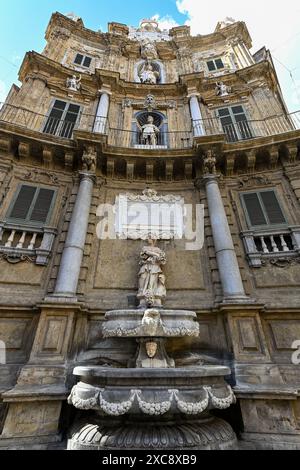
(64, 128)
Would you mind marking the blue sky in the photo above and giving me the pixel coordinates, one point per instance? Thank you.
(276, 25)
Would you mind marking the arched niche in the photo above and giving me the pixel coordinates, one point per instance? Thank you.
(157, 67)
(160, 121)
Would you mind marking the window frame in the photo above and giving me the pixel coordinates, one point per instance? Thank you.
(27, 221)
(235, 123)
(84, 57)
(62, 120)
(214, 60)
(268, 225)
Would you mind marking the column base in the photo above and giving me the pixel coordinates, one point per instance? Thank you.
(62, 298)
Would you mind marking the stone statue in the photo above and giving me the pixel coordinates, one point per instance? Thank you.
(152, 288)
(89, 160)
(74, 83)
(149, 132)
(148, 75)
(210, 163)
(148, 49)
(222, 89)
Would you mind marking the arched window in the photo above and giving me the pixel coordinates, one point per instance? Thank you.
(156, 136)
(150, 72)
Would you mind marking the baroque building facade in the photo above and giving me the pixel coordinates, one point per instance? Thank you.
(143, 111)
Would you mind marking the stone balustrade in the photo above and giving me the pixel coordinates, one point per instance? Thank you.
(26, 243)
(267, 244)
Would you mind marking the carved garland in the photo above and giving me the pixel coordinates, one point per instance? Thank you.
(152, 408)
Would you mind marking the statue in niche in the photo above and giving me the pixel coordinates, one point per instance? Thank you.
(152, 289)
(89, 160)
(222, 89)
(74, 83)
(149, 132)
(148, 75)
(148, 50)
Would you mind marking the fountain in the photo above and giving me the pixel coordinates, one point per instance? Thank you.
(153, 403)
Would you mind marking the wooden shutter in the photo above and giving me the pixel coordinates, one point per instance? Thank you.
(211, 66)
(254, 209)
(78, 59)
(23, 202)
(87, 62)
(219, 64)
(42, 205)
(272, 208)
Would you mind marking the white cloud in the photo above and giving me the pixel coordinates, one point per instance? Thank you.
(3, 91)
(165, 22)
(270, 23)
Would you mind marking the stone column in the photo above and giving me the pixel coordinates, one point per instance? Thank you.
(67, 280)
(196, 115)
(102, 113)
(229, 271)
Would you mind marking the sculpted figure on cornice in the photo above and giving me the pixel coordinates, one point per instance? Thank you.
(148, 50)
(89, 160)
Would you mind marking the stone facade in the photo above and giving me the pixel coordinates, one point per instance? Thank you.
(57, 279)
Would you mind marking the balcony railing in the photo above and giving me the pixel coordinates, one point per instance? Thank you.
(271, 244)
(26, 243)
(235, 132)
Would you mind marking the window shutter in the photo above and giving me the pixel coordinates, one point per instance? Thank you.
(272, 207)
(78, 59)
(254, 210)
(219, 64)
(42, 205)
(211, 66)
(87, 62)
(23, 202)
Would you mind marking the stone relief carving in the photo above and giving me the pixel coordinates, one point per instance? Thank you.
(18, 258)
(141, 228)
(284, 262)
(73, 83)
(89, 160)
(157, 407)
(210, 163)
(150, 102)
(252, 181)
(38, 175)
(222, 89)
(148, 50)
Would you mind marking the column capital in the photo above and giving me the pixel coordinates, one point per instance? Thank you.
(105, 91)
(85, 175)
(207, 179)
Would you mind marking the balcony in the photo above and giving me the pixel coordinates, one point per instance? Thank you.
(26, 243)
(278, 247)
(235, 132)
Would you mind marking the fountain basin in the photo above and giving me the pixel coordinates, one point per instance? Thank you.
(119, 392)
(167, 324)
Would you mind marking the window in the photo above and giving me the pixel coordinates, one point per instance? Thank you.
(235, 123)
(262, 209)
(83, 60)
(32, 205)
(62, 119)
(215, 64)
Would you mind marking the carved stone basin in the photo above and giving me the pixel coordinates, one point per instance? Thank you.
(118, 392)
(150, 323)
(158, 409)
